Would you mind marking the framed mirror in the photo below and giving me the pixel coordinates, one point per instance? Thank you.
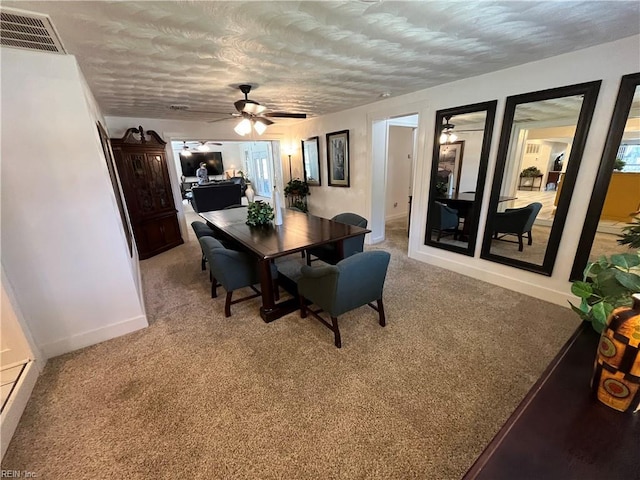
(616, 193)
(541, 145)
(311, 161)
(458, 171)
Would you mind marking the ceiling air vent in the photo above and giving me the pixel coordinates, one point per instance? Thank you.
(28, 30)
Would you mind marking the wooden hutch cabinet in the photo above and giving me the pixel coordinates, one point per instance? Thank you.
(142, 165)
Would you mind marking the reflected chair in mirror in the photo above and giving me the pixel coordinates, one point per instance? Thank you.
(445, 220)
(516, 221)
(336, 289)
(234, 270)
(329, 253)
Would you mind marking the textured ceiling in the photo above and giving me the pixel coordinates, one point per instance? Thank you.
(140, 58)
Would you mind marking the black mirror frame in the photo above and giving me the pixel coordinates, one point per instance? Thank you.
(627, 89)
(590, 92)
(304, 165)
(490, 108)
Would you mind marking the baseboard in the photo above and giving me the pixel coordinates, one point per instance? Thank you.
(16, 404)
(92, 337)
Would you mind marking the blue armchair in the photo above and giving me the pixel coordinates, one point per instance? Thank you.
(337, 289)
(445, 220)
(516, 221)
(329, 253)
(232, 269)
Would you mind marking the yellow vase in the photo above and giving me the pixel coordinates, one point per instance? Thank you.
(616, 375)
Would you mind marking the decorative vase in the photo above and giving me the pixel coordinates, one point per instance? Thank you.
(249, 193)
(616, 375)
(277, 207)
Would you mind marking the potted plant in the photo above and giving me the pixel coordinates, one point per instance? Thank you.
(631, 234)
(530, 172)
(296, 191)
(619, 164)
(296, 188)
(259, 213)
(606, 285)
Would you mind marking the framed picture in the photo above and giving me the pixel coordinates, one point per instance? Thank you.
(108, 155)
(449, 167)
(311, 161)
(338, 158)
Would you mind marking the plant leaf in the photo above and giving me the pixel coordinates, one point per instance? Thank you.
(625, 260)
(581, 289)
(599, 312)
(629, 280)
(581, 314)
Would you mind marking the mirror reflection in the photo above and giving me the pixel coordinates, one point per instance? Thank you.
(311, 160)
(539, 161)
(615, 202)
(458, 172)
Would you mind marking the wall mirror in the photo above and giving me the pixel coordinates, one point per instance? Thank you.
(616, 193)
(541, 145)
(311, 160)
(458, 170)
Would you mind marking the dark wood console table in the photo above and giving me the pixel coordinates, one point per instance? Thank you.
(560, 431)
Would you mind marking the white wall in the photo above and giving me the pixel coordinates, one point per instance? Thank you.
(607, 62)
(399, 163)
(63, 244)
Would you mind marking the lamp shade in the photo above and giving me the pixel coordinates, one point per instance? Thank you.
(243, 127)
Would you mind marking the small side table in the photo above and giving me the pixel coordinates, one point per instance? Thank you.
(529, 183)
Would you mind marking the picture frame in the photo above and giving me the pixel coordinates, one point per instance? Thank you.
(311, 161)
(338, 173)
(450, 165)
(111, 167)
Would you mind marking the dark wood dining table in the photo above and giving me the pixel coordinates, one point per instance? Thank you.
(298, 232)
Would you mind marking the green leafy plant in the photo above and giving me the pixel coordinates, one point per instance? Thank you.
(530, 172)
(606, 285)
(441, 188)
(241, 174)
(631, 234)
(296, 187)
(259, 213)
(619, 164)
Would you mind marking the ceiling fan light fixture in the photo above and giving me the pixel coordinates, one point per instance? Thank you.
(259, 127)
(203, 147)
(243, 127)
(447, 135)
(185, 150)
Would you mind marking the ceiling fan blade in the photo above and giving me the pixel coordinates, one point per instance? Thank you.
(284, 115)
(264, 120)
(230, 117)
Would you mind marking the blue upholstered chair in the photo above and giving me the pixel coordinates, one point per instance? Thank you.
(202, 230)
(233, 270)
(445, 220)
(516, 221)
(329, 253)
(353, 282)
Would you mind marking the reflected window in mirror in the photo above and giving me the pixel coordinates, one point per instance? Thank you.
(462, 141)
(615, 201)
(311, 161)
(541, 145)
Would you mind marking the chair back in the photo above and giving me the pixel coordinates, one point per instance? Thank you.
(512, 220)
(352, 245)
(444, 217)
(231, 268)
(534, 208)
(201, 229)
(360, 280)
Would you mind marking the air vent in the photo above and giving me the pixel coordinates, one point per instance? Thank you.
(29, 31)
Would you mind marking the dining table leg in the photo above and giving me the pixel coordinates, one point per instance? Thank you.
(270, 310)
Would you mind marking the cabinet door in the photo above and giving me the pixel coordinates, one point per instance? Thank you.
(159, 183)
(157, 235)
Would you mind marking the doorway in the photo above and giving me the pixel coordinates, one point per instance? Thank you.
(393, 155)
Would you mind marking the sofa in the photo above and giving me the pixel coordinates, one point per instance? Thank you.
(215, 196)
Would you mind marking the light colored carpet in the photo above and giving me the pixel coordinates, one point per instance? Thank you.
(200, 396)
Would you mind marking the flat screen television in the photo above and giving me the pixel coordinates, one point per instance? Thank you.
(191, 163)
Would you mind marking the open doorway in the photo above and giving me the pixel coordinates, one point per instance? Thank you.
(393, 152)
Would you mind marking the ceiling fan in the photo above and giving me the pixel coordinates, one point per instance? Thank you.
(196, 145)
(255, 115)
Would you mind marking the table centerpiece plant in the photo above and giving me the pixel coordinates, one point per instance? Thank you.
(530, 172)
(259, 213)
